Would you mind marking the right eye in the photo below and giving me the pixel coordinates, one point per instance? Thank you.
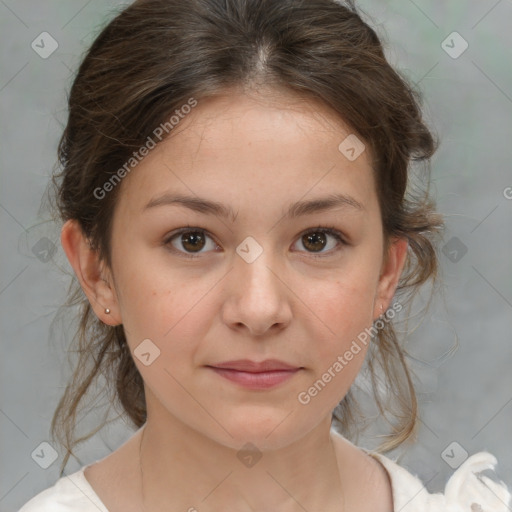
(190, 239)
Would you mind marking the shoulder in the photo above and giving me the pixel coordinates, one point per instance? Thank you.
(465, 491)
(70, 493)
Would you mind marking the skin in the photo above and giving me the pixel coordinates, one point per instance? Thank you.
(256, 153)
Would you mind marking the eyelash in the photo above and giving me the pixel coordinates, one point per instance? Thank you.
(328, 230)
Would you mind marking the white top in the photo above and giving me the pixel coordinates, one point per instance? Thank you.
(464, 492)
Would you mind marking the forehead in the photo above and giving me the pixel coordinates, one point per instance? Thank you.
(238, 144)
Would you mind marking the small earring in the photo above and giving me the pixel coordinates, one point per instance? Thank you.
(107, 311)
(381, 308)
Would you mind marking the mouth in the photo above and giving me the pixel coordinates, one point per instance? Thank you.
(254, 375)
(246, 365)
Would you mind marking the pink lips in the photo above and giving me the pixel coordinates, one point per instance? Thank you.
(253, 375)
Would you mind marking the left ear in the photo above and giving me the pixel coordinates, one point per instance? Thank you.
(390, 274)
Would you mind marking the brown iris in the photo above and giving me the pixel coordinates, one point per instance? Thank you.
(317, 240)
(193, 240)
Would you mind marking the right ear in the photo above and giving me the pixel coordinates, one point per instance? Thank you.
(89, 271)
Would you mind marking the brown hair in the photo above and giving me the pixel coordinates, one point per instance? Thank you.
(155, 55)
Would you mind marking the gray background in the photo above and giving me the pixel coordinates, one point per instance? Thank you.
(461, 351)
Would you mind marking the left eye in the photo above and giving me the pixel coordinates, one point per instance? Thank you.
(317, 239)
(195, 239)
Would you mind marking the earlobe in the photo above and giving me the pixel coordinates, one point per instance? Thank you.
(88, 269)
(390, 274)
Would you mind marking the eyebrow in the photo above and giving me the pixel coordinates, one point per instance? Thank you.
(297, 209)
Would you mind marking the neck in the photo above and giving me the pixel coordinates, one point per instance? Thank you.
(182, 469)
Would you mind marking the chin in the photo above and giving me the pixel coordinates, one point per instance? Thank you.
(265, 432)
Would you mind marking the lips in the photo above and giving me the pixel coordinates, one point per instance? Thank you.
(246, 365)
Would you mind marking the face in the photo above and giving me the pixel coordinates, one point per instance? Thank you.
(263, 281)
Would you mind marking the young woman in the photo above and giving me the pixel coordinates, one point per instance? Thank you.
(238, 214)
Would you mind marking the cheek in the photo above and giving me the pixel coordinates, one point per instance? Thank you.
(343, 307)
(174, 321)
(338, 321)
(338, 332)
(173, 312)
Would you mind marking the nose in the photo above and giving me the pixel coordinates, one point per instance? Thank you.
(258, 298)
